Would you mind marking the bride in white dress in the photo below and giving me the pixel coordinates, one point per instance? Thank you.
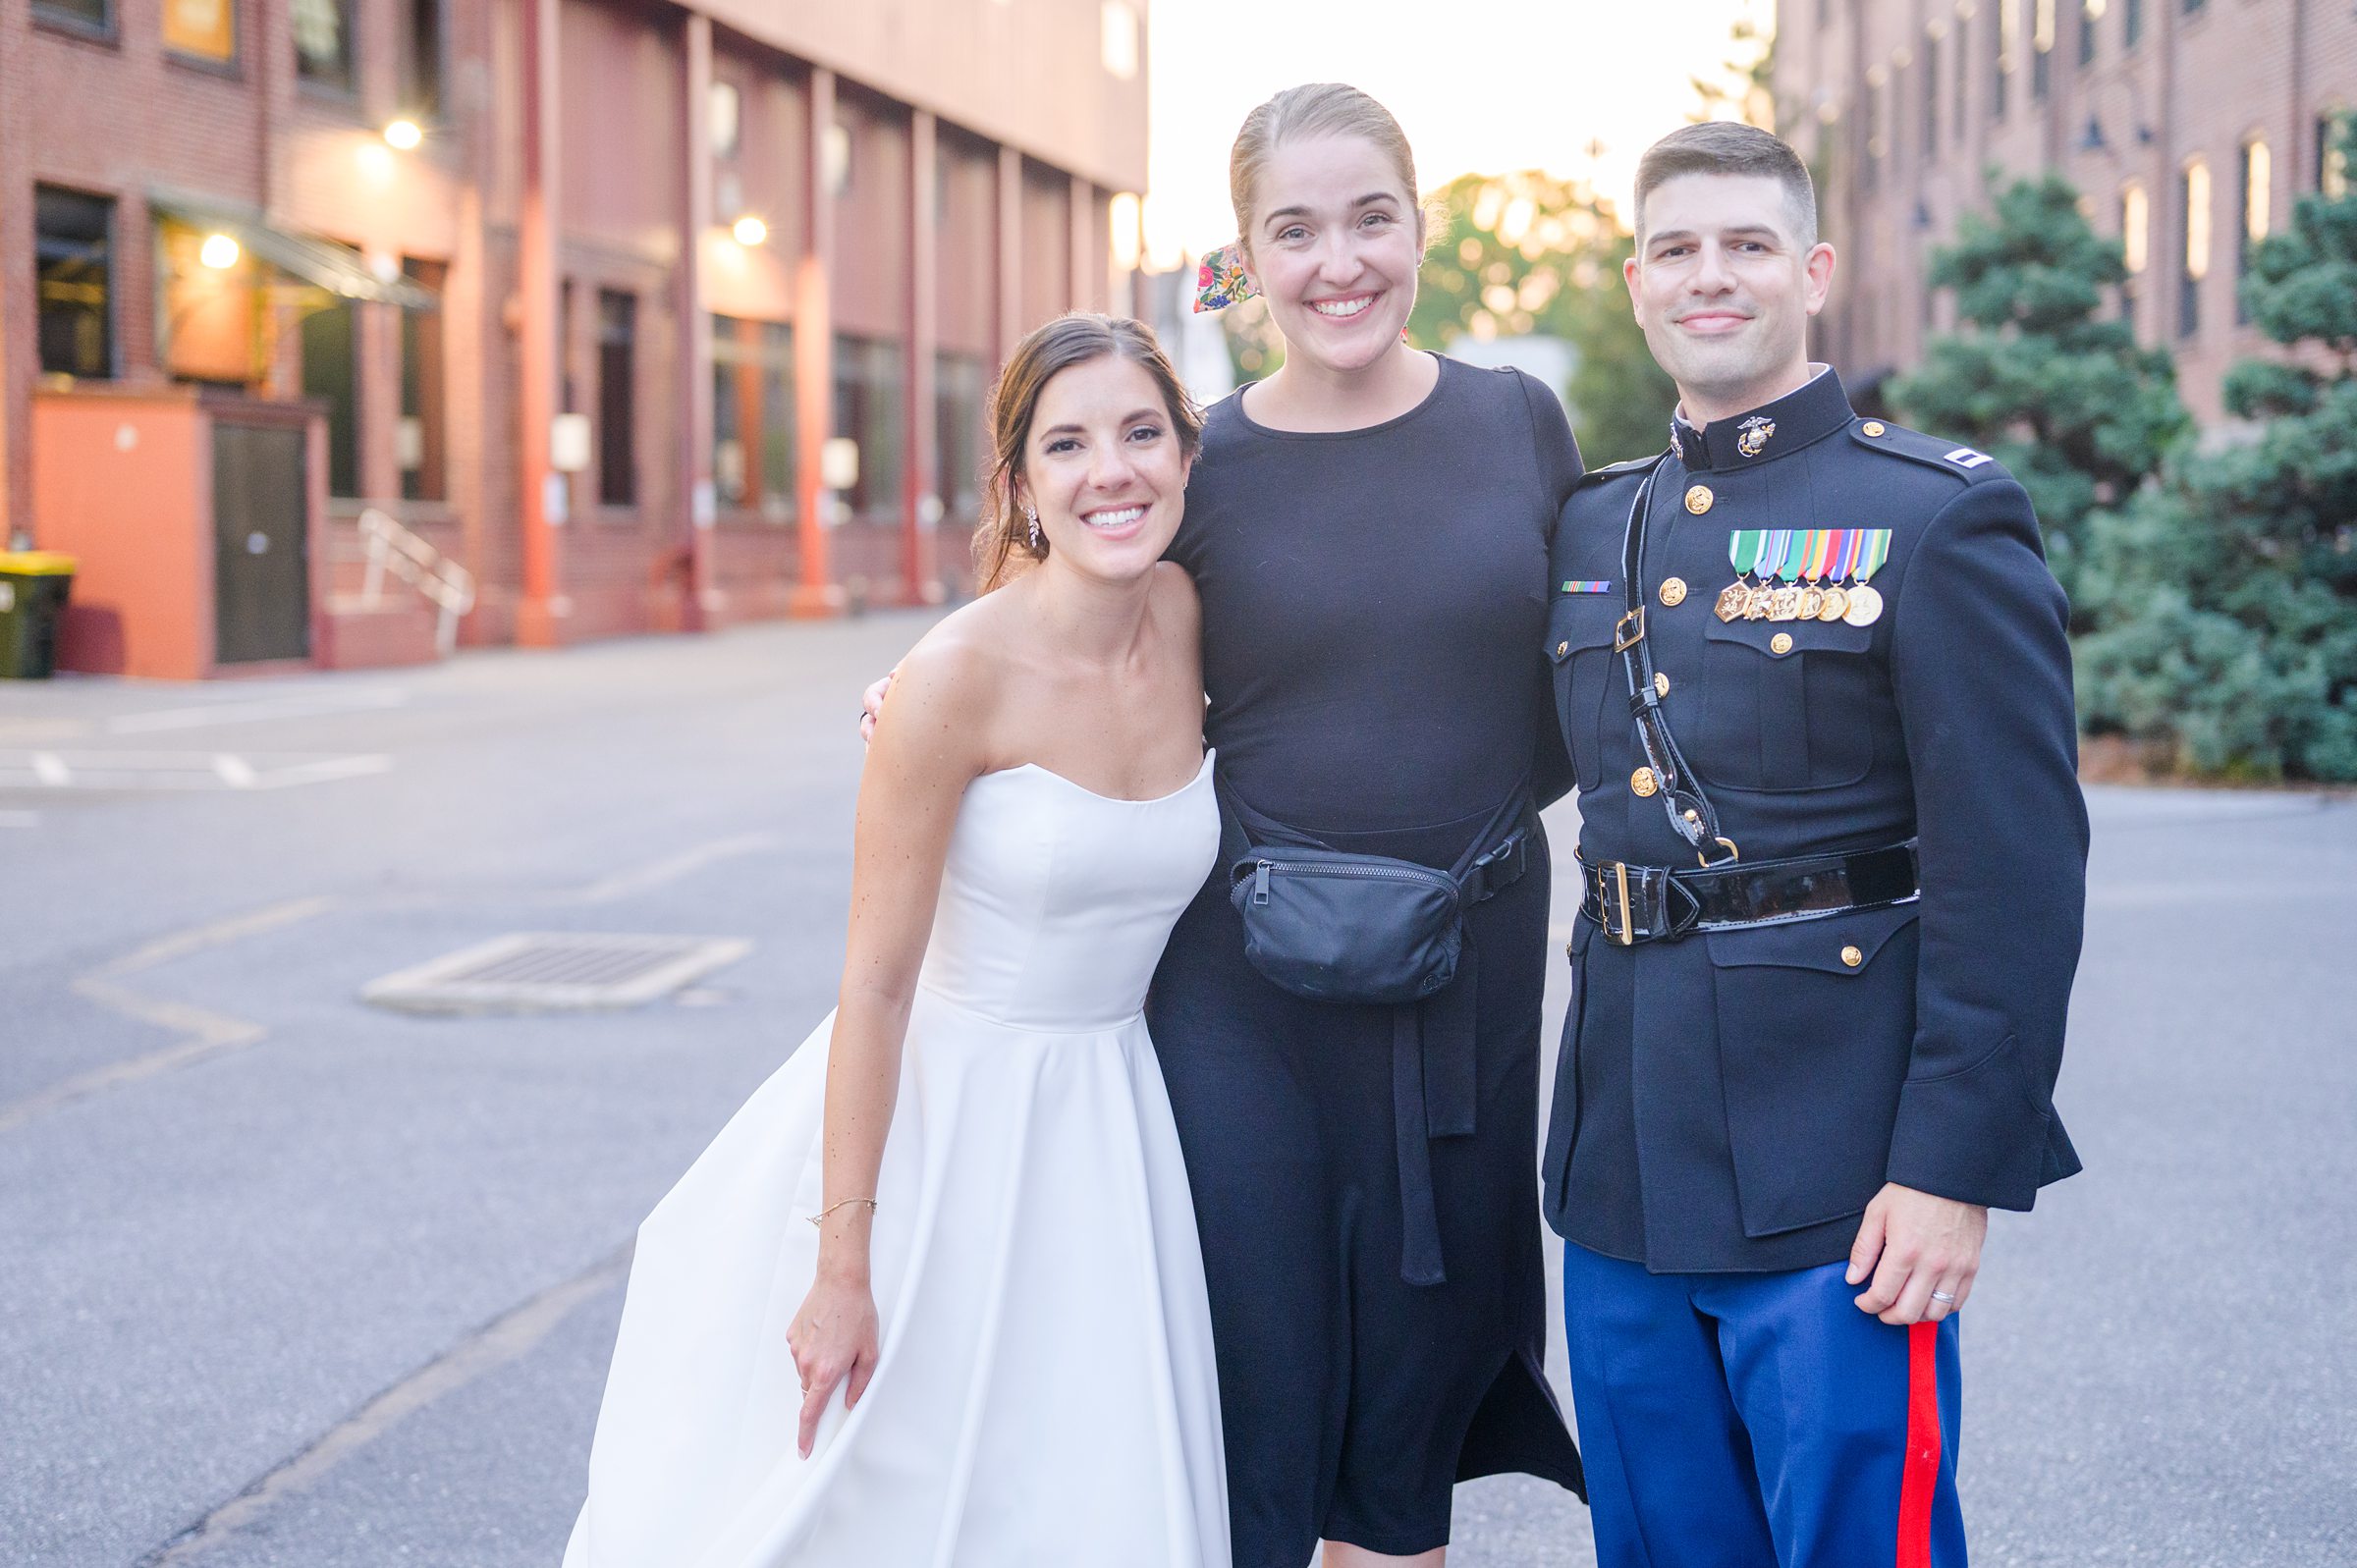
(933, 1298)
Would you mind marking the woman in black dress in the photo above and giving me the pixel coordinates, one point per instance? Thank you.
(1368, 528)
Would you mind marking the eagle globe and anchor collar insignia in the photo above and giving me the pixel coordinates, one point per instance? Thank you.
(1754, 434)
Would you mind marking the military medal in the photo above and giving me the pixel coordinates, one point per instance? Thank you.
(1866, 603)
(1783, 604)
(1745, 547)
(1822, 542)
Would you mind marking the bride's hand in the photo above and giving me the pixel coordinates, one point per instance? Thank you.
(834, 1341)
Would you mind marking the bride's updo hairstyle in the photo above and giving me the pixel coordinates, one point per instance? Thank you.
(1003, 540)
(1319, 109)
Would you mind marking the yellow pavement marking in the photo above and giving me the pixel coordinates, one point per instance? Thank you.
(206, 1033)
(505, 1340)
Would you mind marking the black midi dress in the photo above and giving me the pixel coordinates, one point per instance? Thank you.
(1366, 1191)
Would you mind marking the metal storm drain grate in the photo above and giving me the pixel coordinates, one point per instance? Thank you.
(540, 971)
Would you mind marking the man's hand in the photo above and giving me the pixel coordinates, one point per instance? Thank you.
(1913, 1244)
(871, 707)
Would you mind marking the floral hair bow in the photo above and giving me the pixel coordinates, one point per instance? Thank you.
(1223, 281)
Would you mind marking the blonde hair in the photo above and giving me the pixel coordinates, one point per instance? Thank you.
(1316, 109)
(1003, 543)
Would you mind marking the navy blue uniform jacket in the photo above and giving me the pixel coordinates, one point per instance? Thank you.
(1733, 1100)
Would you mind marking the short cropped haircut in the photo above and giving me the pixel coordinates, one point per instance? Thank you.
(1726, 146)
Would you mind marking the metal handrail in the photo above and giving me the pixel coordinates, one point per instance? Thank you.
(447, 585)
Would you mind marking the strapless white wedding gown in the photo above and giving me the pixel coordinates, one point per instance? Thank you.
(1045, 1394)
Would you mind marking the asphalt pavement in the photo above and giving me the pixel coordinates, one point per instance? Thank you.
(291, 1281)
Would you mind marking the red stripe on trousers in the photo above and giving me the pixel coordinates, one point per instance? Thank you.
(1920, 1479)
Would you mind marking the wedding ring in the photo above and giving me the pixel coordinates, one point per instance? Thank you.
(1944, 1298)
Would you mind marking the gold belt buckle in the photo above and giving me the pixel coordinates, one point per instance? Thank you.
(1624, 639)
(1627, 938)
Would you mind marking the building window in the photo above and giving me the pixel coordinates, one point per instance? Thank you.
(2135, 244)
(959, 383)
(1963, 53)
(2258, 196)
(867, 411)
(835, 155)
(323, 42)
(2042, 49)
(421, 61)
(331, 373)
(617, 397)
(213, 294)
(753, 417)
(1119, 25)
(423, 440)
(725, 113)
(1930, 98)
(2091, 16)
(73, 271)
(2193, 200)
(202, 29)
(81, 16)
(2135, 22)
(1870, 127)
(2331, 157)
(2003, 35)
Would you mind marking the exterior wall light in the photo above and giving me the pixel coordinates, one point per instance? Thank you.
(403, 136)
(219, 253)
(749, 230)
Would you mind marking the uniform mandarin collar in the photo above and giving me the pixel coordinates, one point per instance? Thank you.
(1789, 424)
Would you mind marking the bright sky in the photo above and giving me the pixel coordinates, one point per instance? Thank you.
(1479, 85)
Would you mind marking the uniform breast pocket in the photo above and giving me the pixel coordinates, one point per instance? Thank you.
(1784, 705)
(1579, 643)
(1816, 1022)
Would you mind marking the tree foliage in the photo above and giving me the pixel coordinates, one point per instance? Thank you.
(1528, 254)
(2036, 374)
(2227, 598)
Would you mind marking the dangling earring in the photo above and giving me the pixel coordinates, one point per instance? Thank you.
(1032, 512)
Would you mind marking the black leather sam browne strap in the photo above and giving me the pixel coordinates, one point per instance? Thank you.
(1692, 814)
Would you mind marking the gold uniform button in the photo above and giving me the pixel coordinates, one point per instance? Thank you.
(1780, 644)
(1562, 648)
(1872, 427)
(1852, 957)
(1699, 499)
(1661, 684)
(1673, 591)
(1643, 784)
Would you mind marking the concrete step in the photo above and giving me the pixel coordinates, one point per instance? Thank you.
(397, 629)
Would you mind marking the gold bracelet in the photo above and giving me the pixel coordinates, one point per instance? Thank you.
(820, 1216)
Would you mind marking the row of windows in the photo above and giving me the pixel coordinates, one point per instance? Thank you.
(323, 31)
(215, 324)
(2195, 224)
(2002, 40)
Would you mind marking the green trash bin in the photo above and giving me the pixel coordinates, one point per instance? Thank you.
(32, 591)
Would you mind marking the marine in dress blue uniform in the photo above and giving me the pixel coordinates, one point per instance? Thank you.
(1731, 1095)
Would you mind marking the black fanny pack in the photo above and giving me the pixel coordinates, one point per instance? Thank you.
(1332, 926)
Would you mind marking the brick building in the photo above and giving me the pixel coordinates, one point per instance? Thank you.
(652, 313)
(2190, 126)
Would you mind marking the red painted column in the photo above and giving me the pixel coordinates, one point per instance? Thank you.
(1086, 284)
(702, 604)
(920, 488)
(1011, 253)
(540, 614)
(815, 594)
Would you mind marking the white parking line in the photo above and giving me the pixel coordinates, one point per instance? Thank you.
(167, 771)
(293, 705)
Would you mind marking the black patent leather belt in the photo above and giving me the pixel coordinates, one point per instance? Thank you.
(1631, 905)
